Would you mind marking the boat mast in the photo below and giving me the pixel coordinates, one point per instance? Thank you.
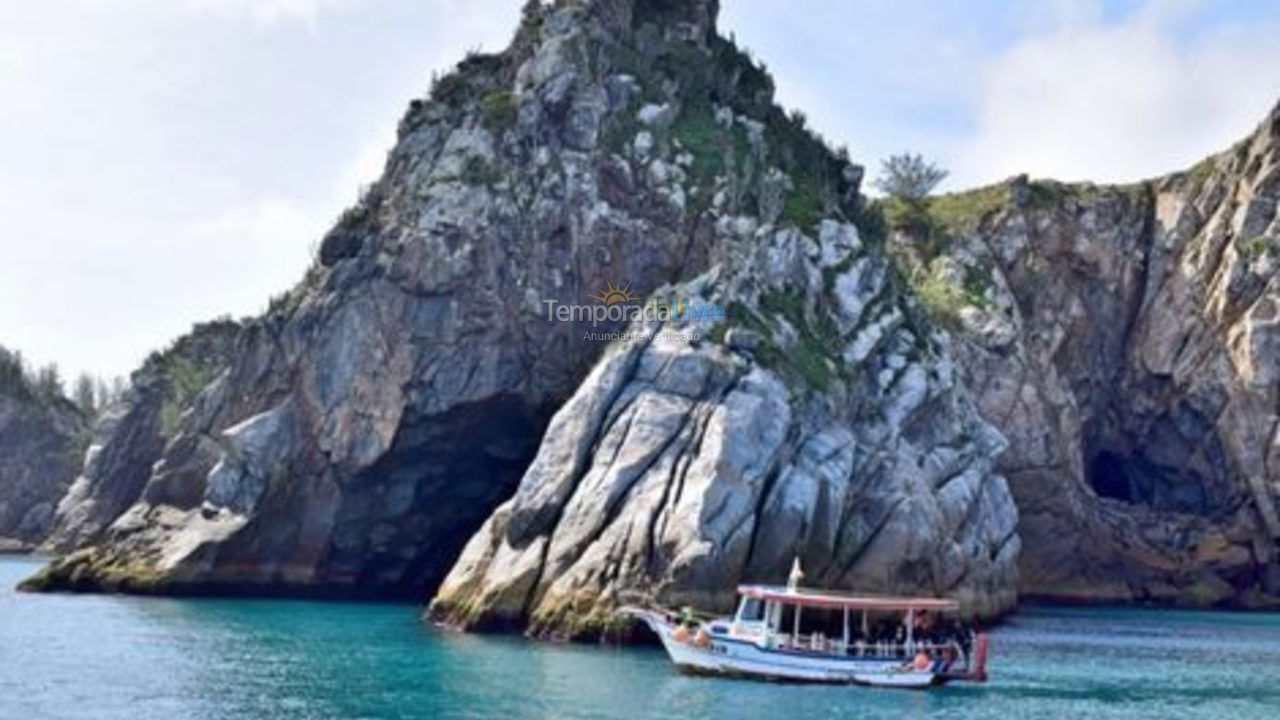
(793, 584)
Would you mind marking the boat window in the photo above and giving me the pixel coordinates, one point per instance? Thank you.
(829, 622)
(752, 610)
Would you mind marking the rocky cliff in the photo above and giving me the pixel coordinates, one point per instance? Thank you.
(415, 417)
(819, 421)
(1126, 342)
(376, 415)
(42, 437)
(372, 421)
(130, 435)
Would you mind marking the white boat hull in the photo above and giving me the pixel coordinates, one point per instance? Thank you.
(733, 657)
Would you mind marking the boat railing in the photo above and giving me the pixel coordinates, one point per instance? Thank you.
(817, 643)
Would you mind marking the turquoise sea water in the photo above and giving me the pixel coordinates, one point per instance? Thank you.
(104, 657)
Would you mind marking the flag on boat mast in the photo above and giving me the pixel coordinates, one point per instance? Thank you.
(793, 580)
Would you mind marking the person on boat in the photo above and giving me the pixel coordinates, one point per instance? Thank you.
(949, 655)
(941, 633)
(967, 633)
(857, 642)
(686, 615)
(922, 661)
(885, 636)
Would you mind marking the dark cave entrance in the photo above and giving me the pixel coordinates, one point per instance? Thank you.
(406, 518)
(1108, 477)
(1176, 464)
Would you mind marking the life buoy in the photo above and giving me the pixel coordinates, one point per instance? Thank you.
(702, 639)
(922, 661)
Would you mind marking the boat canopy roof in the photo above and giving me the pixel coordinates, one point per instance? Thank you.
(835, 599)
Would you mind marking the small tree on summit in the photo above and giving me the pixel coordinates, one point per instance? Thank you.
(84, 395)
(49, 382)
(13, 372)
(908, 179)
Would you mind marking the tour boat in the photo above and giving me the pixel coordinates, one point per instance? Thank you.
(763, 639)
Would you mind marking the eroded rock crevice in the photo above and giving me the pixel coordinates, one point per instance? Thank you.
(1117, 335)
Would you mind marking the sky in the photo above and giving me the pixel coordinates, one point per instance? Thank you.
(169, 161)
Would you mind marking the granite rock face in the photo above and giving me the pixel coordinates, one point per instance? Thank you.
(414, 416)
(375, 417)
(130, 436)
(372, 419)
(41, 444)
(1125, 341)
(685, 465)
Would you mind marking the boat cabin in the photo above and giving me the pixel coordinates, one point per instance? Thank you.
(843, 624)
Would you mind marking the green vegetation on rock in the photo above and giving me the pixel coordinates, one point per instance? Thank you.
(1201, 171)
(186, 379)
(698, 134)
(803, 206)
(978, 279)
(907, 181)
(478, 171)
(498, 110)
(941, 298)
(954, 210)
(817, 339)
(1251, 248)
(188, 366)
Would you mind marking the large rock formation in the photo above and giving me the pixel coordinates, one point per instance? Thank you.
(374, 418)
(1126, 341)
(825, 424)
(393, 405)
(131, 434)
(42, 438)
(376, 415)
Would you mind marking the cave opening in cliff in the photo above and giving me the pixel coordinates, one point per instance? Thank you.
(1170, 461)
(1108, 477)
(404, 520)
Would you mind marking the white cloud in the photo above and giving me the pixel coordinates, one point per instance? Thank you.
(266, 13)
(1119, 101)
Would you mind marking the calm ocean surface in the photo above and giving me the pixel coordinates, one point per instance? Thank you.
(99, 657)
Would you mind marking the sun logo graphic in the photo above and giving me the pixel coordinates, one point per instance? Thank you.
(612, 295)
